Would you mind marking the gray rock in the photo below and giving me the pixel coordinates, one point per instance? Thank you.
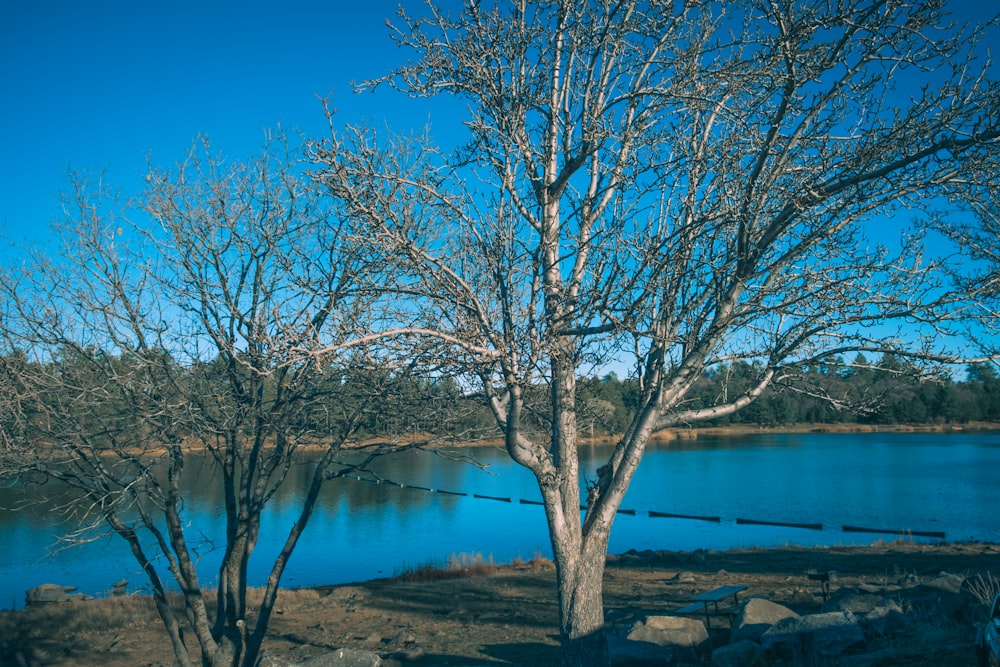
(949, 583)
(345, 657)
(741, 654)
(755, 616)
(627, 653)
(933, 601)
(856, 604)
(886, 619)
(874, 659)
(828, 635)
(669, 631)
(48, 594)
(410, 654)
(871, 589)
(801, 598)
(877, 616)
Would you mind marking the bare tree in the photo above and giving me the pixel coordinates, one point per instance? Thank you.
(977, 232)
(671, 186)
(181, 327)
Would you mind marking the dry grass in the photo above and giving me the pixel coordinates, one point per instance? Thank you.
(117, 613)
(289, 599)
(72, 618)
(468, 565)
(984, 587)
(457, 565)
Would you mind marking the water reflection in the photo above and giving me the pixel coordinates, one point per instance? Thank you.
(362, 530)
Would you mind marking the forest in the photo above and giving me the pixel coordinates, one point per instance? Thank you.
(888, 392)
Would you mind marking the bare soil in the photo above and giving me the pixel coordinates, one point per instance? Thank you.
(509, 616)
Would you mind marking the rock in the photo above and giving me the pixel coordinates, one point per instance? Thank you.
(871, 589)
(741, 654)
(755, 616)
(685, 577)
(856, 604)
(410, 654)
(828, 635)
(669, 631)
(119, 588)
(627, 653)
(802, 598)
(345, 657)
(949, 583)
(876, 615)
(930, 600)
(885, 621)
(48, 594)
(403, 637)
(875, 659)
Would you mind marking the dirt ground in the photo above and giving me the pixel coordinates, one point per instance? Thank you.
(509, 617)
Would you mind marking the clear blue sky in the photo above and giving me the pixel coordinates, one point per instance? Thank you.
(103, 83)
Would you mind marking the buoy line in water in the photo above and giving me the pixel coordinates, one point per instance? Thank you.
(655, 514)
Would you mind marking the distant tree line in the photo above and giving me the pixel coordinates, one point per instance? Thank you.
(394, 403)
(887, 392)
(890, 391)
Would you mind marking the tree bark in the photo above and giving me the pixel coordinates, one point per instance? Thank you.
(580, 582)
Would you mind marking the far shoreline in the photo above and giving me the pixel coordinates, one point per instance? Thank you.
(740, 430)
(432, 442)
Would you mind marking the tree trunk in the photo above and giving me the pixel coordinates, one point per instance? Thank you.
(580, 552)
(581, 611)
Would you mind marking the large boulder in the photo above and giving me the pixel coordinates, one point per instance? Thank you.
(744, 653)
(878, 616)
(48, 594)
(755, 616)
(628, 653)
(948, 583)
(826, 635)
(854, 603)
(936, 599)
(669, 631)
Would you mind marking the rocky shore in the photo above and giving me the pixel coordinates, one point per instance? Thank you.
(895, 603)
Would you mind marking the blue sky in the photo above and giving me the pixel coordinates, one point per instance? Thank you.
(102, 84)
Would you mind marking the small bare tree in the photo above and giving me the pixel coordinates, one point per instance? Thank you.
(190, 329)
(673, 186)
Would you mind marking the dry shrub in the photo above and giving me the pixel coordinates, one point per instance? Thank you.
(471, 564)
(457, 565)
(984, 587)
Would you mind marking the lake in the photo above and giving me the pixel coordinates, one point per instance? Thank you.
(890, 481)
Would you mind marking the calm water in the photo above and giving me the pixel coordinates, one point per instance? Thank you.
(919, 482)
